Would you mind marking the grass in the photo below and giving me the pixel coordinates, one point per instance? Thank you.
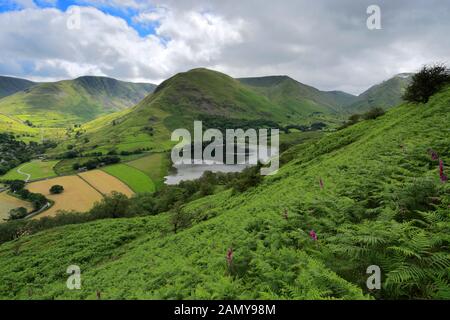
(137, 180)
(38, 169)
(155, 166)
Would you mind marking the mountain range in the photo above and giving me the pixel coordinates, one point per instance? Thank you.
(123, 115)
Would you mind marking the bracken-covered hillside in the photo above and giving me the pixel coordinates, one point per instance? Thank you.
(371, 193)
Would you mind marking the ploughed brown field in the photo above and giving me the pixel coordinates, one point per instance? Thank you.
(105, 183)
(8, 202)
(80, 193)
(77, 195)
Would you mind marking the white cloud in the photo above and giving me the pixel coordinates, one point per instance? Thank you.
(323, 43)
(40, 39)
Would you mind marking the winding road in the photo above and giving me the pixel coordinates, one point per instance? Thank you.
(23, 173)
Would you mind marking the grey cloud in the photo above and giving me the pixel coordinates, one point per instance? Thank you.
(322, 43)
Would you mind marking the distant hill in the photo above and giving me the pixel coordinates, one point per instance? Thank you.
(202, 93)
(298, 97)
(66, 102)
(10, 85)
(385, 95)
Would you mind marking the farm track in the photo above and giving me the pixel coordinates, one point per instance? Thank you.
(19, 171)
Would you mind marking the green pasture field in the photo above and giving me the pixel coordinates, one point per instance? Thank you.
(37, 169)
(155, 166)
(137, 180)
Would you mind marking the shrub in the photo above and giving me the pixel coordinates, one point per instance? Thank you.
(429, 80)
(354, 118)
(56, 189)
(18, 213)
(373, 113)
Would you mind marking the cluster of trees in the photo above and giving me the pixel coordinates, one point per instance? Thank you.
(14, 152)
(72, 153)
(128, 153)
(372, 114)
(97, 162)
(316, 126)
(222, 123)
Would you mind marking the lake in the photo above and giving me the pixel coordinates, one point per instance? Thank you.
(186, 172)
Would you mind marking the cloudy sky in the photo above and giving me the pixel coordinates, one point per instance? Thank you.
(322, 43)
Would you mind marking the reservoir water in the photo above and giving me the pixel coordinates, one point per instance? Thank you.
(185, 172)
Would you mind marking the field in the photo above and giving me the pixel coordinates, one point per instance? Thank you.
(137, 180)
(8, 202)
(77, 195)
(155, 166)
(36, 169)
(65, 166)
(105, 183)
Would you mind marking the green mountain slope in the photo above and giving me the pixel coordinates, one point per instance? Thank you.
(200, 94)
(298, 97)
(10, 85)
(380, 203)
(72, 101)
(385, 95)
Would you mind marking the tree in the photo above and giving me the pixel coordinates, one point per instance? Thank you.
(16, 185)
(38, 200)
(428, 81)
(373, 113)
(354, 118)
(115, 205)
(18, 213)
(56, 189)
(179, 219)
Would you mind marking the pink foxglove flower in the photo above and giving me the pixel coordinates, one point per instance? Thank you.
(434, 155)
(313, 235)
(230, 256)
(321, 183)
(443, 177)
(285, 214)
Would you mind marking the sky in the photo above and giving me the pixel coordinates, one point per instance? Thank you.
(323, 43)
